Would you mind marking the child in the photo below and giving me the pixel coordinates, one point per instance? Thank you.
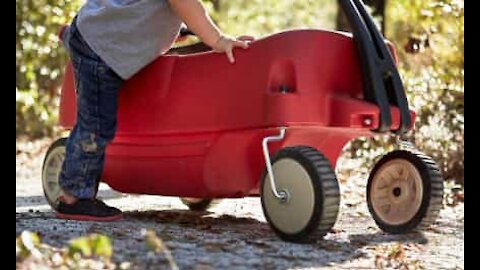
(108, 42)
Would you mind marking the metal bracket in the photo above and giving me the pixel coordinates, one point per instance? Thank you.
(282, 195)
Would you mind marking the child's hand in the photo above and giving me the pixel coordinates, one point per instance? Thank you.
(227, 44)
(194, 15)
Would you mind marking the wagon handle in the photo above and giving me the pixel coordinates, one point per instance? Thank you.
(382, 82)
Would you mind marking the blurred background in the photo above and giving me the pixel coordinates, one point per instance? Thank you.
(428, 35)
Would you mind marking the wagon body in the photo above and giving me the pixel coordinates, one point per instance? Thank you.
(192, 125)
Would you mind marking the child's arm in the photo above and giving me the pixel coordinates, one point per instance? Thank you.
(192, 13)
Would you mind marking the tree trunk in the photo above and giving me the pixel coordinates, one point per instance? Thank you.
(378, 11)
(342, 22)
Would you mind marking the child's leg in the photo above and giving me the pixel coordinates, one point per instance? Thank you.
(97, 89)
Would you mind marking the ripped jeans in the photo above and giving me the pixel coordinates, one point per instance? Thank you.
(97, 87)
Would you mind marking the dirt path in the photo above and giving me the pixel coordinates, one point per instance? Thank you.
(234, 234)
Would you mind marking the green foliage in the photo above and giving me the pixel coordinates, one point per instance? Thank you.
(263, 17)
(27, 245)
(39, 62)
(91, 245)
(92, 251)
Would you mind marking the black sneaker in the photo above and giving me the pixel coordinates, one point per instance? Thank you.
(88, 209)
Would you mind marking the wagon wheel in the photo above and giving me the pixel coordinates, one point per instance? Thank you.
(51, 168)
(313, 195)
(52, 165)
(404, 192)
(199, 204)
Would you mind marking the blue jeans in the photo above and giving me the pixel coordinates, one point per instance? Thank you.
(97, 87)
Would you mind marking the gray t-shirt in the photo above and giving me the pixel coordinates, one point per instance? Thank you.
(128, 34)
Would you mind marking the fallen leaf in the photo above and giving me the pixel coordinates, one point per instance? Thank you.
(91, 245)
(27, 244)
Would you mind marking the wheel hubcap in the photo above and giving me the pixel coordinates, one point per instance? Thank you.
(396, 192)
(292, 215)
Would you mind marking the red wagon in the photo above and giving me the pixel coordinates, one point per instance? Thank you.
(197, 127)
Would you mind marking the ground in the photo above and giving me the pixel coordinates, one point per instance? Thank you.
(234, 234)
